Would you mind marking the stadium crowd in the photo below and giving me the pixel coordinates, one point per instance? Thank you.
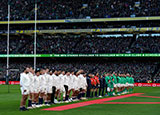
(73, 9)
(141, 71)
(80, 44)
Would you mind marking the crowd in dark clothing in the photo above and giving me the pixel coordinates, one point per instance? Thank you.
(80, 44)
(78, 9)
(142, 71)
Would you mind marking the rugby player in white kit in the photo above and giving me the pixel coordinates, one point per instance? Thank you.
(36, 89)
(24, 87)
(49, 85)
(31, 89)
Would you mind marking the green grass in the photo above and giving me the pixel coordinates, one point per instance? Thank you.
(9, 104)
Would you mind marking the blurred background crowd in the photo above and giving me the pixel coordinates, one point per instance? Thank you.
(78, 9)
(143, 71)
(80, 44)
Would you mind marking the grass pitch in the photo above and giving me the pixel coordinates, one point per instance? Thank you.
(9, 104)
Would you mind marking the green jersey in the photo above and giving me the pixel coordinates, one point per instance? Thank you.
(118, 79)
(115, 79)
(132, 80)
(107, 78)
(122, 80)
(111, 84)
(127, 79)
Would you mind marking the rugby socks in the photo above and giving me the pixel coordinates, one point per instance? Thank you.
(67, 97)
(46, 103)
(74, 98)
(59, 99)
(22, 108)
(91, 94)
(114, 93)
(49, 102)
(40, 100)
(79, 96)
(109, 93)
(96, 94)
(29, 103)
(83, 94)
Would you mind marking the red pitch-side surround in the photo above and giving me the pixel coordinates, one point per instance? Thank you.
(82, 104)
(10, 82)
(147, 84)
(148, 96)
(129, 103)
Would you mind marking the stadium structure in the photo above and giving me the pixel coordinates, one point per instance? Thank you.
(97, 36)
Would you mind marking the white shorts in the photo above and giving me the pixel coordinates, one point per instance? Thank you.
(127, 84)
(118, 85)
(115, 85)
(42, 89)
(49, 90)
(58, 87)
(76, 88)
(84, 87)
(23, 92)
(36, 90)
(70, 87)
(62, 89)
(108, 89)
(31, 89)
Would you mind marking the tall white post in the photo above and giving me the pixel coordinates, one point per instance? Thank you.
(8, 40)
(7, 76)
(35, 35)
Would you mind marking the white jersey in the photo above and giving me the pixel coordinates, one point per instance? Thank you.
(24, 81)
(70, 81)
(61, 82)
(56, 81)
(84, 81)
(61, 79)
(42, 80)
(80, 79)
(46, 80)
(31, 77)
(76, 83)
(49, 81)
(66, 80)
(37, 83)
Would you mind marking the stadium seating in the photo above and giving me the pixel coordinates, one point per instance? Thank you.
(72, 44)
(78, 9)
(142, 71)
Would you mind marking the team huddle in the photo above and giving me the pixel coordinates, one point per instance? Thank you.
(46, 87)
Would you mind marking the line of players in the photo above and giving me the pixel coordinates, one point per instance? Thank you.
(45, 87)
